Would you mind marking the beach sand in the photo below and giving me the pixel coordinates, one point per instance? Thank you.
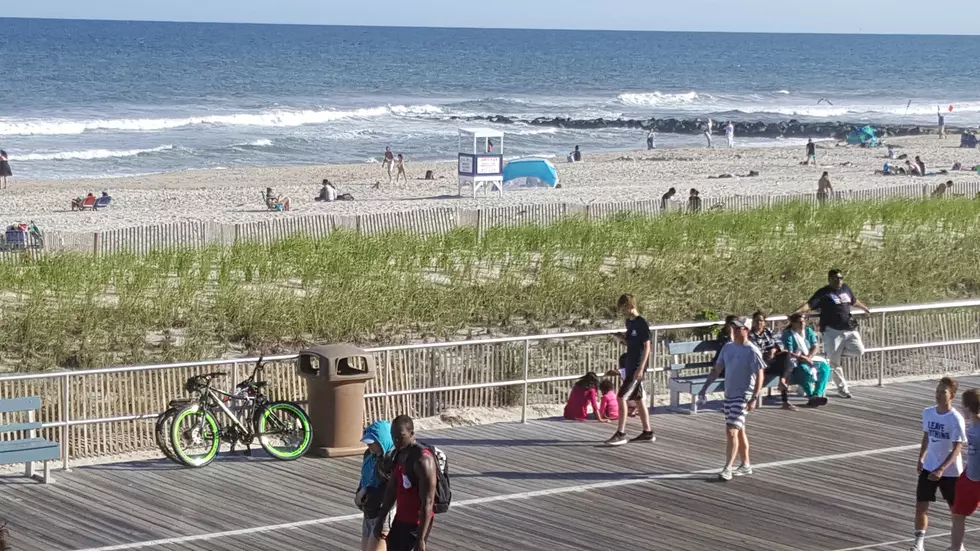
(234, 195)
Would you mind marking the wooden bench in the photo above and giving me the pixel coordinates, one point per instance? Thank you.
(30, 449)
(693, 384)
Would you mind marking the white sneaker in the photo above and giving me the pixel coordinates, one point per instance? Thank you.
(918, 546)
(843, 393)
(743, 470)
(725, 475)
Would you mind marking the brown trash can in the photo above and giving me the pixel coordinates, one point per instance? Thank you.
(335, 378)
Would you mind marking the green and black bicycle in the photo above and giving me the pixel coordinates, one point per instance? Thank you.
(194, 434)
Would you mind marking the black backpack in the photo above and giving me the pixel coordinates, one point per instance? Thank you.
(444, 494)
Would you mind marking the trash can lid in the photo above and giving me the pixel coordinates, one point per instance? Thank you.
(335, 351)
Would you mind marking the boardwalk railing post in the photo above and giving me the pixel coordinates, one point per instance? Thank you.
(65, 416)
(652, 366)
(234, 377)
(881, 361)
(527, 366)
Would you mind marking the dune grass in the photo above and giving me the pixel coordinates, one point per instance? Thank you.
(71, 310)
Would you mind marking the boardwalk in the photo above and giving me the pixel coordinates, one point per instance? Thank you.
(839, 478)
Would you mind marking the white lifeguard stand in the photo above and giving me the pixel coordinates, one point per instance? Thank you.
(484, 167)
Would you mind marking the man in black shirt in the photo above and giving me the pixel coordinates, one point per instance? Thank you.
(637, 341)
(840, 336)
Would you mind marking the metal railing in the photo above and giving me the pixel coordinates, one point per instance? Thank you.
(955, 327)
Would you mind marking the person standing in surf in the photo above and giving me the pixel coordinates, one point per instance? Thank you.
(5, 171)
(730, 134)
(707, 131)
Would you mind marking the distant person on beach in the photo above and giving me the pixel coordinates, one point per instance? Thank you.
(272, 200)
(694, 201)
(730, 134)
(811, 152)
(328, 193)
(400, 164)
(824, 188)
(638, 346)
(577, 154)
(666, 197)
(707, 131)
(921, 165)
(5, 171)
(651, 139)
(388, 162)
(942, 125)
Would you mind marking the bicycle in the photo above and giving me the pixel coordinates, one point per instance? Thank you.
(252, 415)
(163, 426)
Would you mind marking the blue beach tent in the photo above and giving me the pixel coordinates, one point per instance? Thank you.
(530, 173)
(863, 136)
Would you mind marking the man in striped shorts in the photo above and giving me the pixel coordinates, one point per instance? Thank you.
(744, 376)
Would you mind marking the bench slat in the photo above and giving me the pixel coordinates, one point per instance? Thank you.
(692, 347)
(692, 365)
(20, 404)
(31, 449)
(16, 427)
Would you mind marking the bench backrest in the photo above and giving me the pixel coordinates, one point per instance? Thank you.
(676, 349)
(15, 405)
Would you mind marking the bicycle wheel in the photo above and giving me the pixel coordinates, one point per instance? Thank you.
(164, 424)
(283, 430)
(195, 436)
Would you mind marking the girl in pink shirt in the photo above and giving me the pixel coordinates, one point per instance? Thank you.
(583, 394)
(608, 404)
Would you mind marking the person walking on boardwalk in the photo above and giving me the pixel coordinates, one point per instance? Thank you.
(840, 336)
(375, 472)
(638, 345)
(744, 375)
(940, 464)
(967, 497)
(411, 491)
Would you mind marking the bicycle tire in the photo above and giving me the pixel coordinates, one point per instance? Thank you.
(265, 414)
(163, 425)
(209, 430)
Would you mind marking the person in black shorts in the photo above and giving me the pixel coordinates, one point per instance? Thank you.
(940, 463)
(637, 341)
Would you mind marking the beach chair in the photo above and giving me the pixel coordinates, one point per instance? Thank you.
(88, 202)
(102, 202)
(272, 203)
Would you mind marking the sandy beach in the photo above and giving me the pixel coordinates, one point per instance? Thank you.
(234, 195)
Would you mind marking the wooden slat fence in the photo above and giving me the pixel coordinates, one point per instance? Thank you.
(142, 240)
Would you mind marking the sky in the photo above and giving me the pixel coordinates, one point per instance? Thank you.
(813, 16)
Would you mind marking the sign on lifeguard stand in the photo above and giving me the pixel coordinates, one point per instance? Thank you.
(484, 166)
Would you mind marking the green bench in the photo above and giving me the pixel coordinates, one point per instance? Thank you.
(27, 449)
(693, 384)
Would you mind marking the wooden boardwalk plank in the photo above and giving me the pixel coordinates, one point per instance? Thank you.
(828, 503)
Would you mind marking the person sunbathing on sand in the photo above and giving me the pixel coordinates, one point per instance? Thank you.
(272, 200)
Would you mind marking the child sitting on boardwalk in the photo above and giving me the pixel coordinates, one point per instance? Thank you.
(583, 394)
(608, 403)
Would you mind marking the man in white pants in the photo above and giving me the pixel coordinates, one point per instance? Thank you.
(840, 337)
(730, 134)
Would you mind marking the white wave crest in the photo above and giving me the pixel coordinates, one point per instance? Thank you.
(276, 118)
(783, 92)
(660, 99)
(255, 143)
(89, 154)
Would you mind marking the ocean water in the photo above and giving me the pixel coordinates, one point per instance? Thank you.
(93, 98)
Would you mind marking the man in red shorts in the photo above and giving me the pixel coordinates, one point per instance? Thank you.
(968, 486)
(412, 487)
